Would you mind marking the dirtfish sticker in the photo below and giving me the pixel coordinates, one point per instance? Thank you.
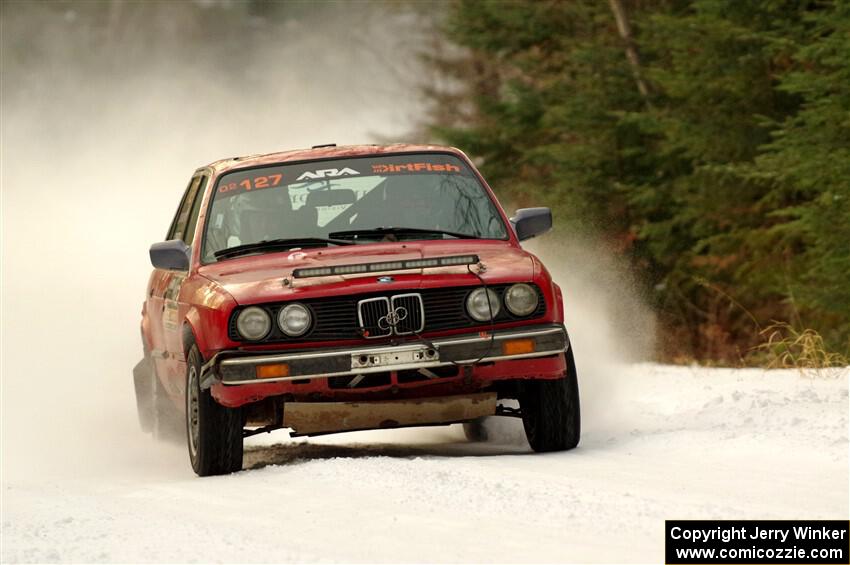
(416, 168)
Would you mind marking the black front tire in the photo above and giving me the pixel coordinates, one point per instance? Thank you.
(551, 413)
(213, 431)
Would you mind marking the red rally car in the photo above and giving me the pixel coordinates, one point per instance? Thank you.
(349, 288)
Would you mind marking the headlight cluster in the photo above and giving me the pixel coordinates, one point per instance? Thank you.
(255, 323)
(294, 319)
(521, 299)
(484, 305)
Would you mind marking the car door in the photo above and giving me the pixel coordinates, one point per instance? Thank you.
(161, 286)
(173, 308)
(154, 304)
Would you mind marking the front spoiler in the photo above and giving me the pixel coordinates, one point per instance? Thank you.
(239, 367)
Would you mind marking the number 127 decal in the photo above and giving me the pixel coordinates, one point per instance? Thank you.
(263, 181)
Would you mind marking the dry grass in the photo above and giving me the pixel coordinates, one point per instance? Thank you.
(785, 347)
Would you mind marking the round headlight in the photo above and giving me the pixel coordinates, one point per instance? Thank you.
(253, 323)
(294, 319)
(521, 299)
(478, 307)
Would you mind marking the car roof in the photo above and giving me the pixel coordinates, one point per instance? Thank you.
(324, 152)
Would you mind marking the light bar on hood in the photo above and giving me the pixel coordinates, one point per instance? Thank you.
(385, 266)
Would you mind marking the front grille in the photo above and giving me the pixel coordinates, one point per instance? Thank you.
(414, 319)
(447, 308)
(372, 316)
(336, 318)
(400, 314)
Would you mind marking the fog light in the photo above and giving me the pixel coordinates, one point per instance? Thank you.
(272, 371)
(517, 346)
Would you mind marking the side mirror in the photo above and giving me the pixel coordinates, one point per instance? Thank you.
(531, 222)
(171, 254)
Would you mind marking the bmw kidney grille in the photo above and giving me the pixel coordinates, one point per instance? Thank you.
(402, 314)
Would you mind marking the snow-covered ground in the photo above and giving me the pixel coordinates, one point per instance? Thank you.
(666, 442)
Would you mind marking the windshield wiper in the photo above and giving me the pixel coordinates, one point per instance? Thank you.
(276, 244)
(394, 230)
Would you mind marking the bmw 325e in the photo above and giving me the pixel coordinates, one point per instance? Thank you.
(350, 288)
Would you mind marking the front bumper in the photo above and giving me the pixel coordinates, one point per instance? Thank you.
(240, 367)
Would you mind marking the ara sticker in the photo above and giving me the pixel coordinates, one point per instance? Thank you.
(327, 173)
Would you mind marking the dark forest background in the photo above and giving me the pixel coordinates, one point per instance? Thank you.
(706, 143)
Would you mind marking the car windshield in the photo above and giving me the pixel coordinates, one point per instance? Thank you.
(360, 199)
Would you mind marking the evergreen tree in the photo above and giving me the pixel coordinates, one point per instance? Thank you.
(706, 139)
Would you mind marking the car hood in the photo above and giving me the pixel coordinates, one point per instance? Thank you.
(268, 277)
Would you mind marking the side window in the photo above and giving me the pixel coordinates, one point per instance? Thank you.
(173, 227)
(178, 226)
(193, 214)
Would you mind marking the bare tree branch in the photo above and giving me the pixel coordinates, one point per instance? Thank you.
(631, 51)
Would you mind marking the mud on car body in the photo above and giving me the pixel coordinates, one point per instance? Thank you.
(347, 288)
